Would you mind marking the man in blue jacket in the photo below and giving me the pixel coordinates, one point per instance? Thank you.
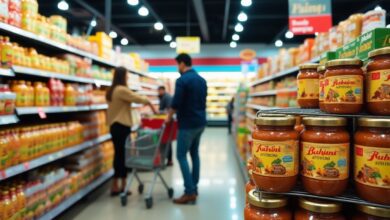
(189, 103)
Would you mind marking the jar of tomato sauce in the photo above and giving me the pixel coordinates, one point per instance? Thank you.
(308, 85)
(372, 160)
(321, 72)
(325, 155)
(371, 213)
(344, 86)
(275, 153)
(266, 207)
(250, 185)
(311, 209)
(378, 86)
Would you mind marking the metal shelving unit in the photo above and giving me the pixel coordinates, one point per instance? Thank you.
(29, 165)
(77, 196)
(8, 119)
(6, 72)
(49, 110)
(271, 92)
(259, 107)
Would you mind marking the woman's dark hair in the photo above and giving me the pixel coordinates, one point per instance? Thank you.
(118, 80)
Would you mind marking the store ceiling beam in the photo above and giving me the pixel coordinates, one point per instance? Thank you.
(102, 17)
(108, 10)
(200, 13)
(225, 19)
(155, 15)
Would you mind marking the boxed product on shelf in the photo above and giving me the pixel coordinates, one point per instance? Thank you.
(7, 100)
(104, 43)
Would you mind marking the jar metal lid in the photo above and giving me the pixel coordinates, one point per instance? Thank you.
(381, 51)
(263, 200)
(344, 62)
(308, 66)
(276, 121)
(321, 68)
(324, 121)
(374, 122)
(319, 206)
(375, 211)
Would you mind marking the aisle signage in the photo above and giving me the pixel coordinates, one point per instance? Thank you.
(190, 45)
(309, 16)
(248, 55)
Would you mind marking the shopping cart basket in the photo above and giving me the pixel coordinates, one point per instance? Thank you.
(148, 153)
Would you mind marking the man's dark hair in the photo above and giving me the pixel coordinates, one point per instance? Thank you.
(185, 58)
(161, 88)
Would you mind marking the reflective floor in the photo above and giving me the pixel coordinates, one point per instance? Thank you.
(221, 190)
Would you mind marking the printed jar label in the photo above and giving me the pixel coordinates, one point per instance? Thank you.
(372, 166)
(275, 158)
(346, 89)
(308, 88)
(325, 161)
(321, 90)
(378, 86)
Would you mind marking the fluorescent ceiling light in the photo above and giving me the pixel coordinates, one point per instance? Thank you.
(63, 5)
(173, 44)
(133, 2)
(246, 3)
(378, 8)
(158, 26)
(278, 43)
(124, 41)
(242, 17)
(233, 44)
(167, 37)
(113, 34)
(289, 35)
(236, 37)
(143, 11)
(239, 27)
(93, 23)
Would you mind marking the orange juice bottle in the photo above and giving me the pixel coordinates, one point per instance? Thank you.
(15, 144)
(21, 91)
(3, 151)
(46, 94)
(21, 201)
(70, 96)
(14, 203)
(7, 205)
(31, 97)
(39, 92)
(23, 144)
(6, 53)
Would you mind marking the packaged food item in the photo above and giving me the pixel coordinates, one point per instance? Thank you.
(250, 185)
(15, 13)
(30, 8)
(266, 206)
(353, 28)
(325, 155)
(371, 213)
(308, 86)
(22, 95)
(275, 154)
(6, 53)
(374, 19)
(321, 82)
(378, 82)
(70, 95)
(340, 30)
(372, 150)
(318, 209)
(344, 86)
(4, 11)
(333, 39)
(372, 40)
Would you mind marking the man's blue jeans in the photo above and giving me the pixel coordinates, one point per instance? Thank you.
(188, 141)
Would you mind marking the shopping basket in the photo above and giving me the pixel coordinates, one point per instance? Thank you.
(149, 152)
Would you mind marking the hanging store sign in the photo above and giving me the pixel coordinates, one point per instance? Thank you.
(248, 55)
(190, 45)
(309, 16)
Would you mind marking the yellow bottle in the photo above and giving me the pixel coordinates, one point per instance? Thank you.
(21, 91)
(6, 53)
(70, 95)
(39, 92)
(7, 205)
(31, 97)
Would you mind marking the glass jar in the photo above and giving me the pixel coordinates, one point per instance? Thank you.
(344, 86)
(308, 86)
(371, 156)
(250, 185)
(377, 83)
(371, 213)
(275, 153)
(266, 207)
(321, 72)
(325, 155)
(311, 209)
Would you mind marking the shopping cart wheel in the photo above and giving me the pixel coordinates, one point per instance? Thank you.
(140, 188)
(123, 199)
(170, 193)
(149, 202)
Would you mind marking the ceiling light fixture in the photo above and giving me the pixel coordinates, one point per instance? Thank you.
(236, 37)
(63, 5)
(238, 27)
(133, 2)
(143, 11)
(289, 35)
(233, 44)
(246, 3)
(113, 34)
(167, 37)
(173, 44)
(158, 26)
(378, 8)
(124, 41)
(242, 17)
(278, 43)
(316, 33)
(93, 23)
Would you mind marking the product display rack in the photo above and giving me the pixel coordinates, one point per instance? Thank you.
(6, 72)
(219, 95)
(8, 119)
(271, 92)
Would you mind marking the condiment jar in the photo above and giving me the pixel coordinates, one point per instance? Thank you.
(318, 209)
(275, 153)
(250, 185)
(371, 213)
(344, 86)
(321, 71)
(308, 86)
(372, 156)
(377, 82)
(266, 206)
(325, 155)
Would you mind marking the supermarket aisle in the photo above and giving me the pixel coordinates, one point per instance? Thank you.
(221, 190)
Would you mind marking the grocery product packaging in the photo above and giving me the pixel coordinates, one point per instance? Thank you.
(374, 19)
(374, 39)
(349, 50)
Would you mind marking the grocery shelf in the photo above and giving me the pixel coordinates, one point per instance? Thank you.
(259, 107)
(48, 110)
(135, 88)
(76, 197)
(99, 107)
(151, 93)
(8, 119)
(239, 159)
(316, 112)
(6, 72)
(26, 166)
(251, 116)
(214, 97)
(99, 82)
(272, 92)
(148, 85)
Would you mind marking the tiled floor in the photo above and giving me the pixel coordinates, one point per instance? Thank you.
(221, 190)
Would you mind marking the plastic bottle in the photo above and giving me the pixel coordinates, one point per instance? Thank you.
(6, 53)
(46, 94)
(39, 99)
(21, 200)
(14, 203)
(7, 206)
(30, 92)
(70, 95)
(21, 91)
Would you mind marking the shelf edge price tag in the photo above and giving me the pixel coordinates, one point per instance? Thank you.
(26, 165)
(42, 113)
